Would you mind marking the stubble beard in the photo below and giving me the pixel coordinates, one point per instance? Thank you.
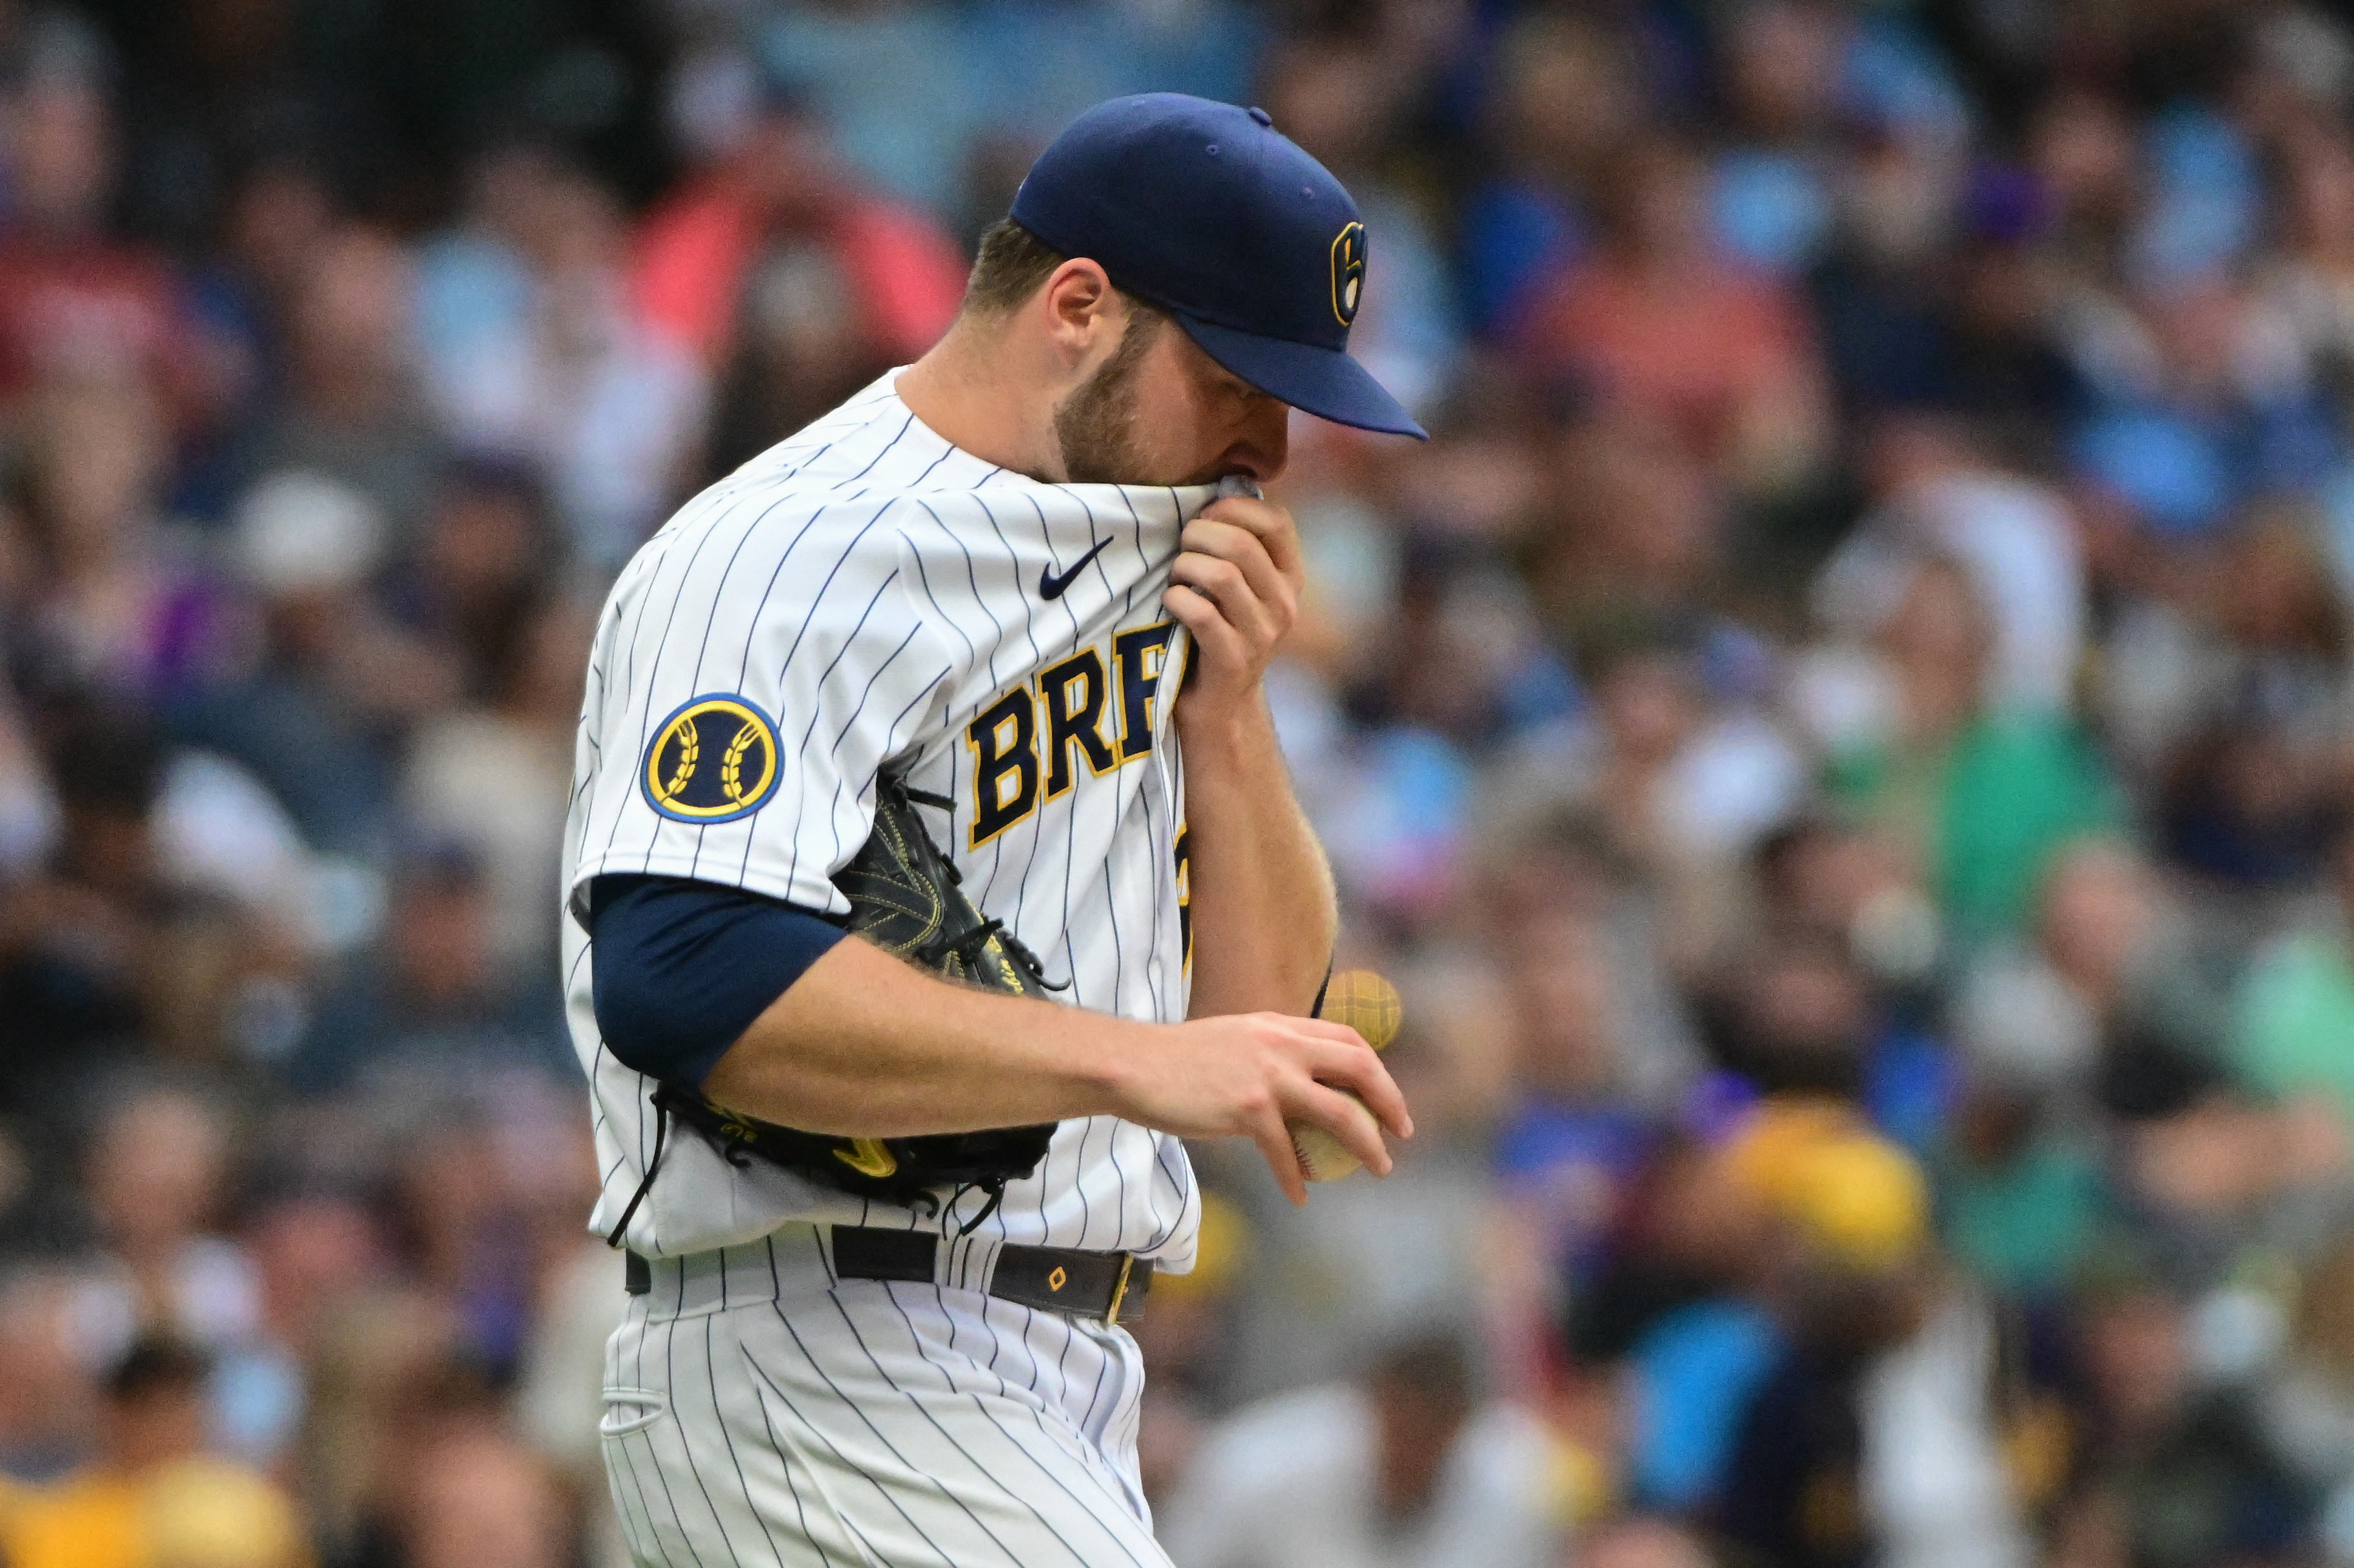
(1096, 426)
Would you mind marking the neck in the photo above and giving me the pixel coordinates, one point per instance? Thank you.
(974, 390)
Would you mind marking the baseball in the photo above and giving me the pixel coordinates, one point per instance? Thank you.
(1322, 1157)
(1368, 1004)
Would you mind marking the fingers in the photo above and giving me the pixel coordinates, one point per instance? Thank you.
(1235, 583)
(1244, 550)
(1254, 1075)
(1220, 643)
(1263, 621)
(1373, 1083)
(1338, 1115)
(1271, 524)
(1275, 1144)
(1351, 1063)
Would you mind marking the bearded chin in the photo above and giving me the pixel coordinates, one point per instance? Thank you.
(1096, 426)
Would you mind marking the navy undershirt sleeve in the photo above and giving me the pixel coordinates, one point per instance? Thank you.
(683, 968)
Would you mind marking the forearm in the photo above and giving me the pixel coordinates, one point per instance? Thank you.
(864, 1046)
(1263, 916)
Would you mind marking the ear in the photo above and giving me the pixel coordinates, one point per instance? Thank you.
(1081, 309)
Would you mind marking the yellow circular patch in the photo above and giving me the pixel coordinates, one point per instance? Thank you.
(712, 760)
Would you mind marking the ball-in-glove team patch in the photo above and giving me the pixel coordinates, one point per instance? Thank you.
(712, 760)
(1348, 271)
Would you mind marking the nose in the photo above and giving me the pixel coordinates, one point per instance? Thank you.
(1265, 445)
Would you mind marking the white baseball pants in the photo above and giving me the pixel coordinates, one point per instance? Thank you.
(757, 1411)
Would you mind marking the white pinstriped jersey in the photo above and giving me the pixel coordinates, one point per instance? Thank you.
(866, 594)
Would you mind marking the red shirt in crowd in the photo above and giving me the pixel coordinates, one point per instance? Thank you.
(1689, 346)
(695, 250)
(89, 305)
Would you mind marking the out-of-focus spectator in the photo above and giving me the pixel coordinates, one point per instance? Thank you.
(75, 298)
(350, 407)
(775, 270)
(1770, 193)
(430, 999)
(154, 1172)
(1939, 495)
(559, 1389)
(488, 559)
(313, 1251)
(495, 777)
(2114, 997)
(1641, 1541)
(2252, 787)
(532, 348)
(110, 604)
(48, 1392)
(1638, 528)
(2306, 1403)
(383, 1378)
(477, 1496)
(2181, 1474)
(154, 1496)
(1872, 1435)
(328, 679)
(1977, 799)
(1683, 774)
(1406, 1465)
(2296, 1004)
(78, 939)
(1567, 92)
(1659, 324)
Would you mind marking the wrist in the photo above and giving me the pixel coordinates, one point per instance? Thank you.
(1110, 1075)
(1236, 730)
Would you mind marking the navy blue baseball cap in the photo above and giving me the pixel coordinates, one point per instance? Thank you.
(1207, 212)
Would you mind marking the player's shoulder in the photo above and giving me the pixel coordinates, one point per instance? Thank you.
(870, 460)
(873, 447)
(855, 440)
(807, 481)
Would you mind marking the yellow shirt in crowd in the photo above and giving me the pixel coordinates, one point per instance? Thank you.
(190, 1513)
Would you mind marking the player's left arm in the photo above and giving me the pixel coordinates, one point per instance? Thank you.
(1263, 916)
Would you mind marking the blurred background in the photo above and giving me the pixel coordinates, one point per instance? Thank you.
(1844, 741)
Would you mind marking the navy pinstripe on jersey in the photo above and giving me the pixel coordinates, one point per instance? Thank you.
(875, 592)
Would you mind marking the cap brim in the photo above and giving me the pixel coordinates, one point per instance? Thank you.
(1320, 381)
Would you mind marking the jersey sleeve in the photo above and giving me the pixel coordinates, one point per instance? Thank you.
(752, 673)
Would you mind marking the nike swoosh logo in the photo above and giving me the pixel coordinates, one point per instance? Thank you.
(1052, 586)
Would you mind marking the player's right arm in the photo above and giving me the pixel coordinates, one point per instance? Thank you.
(731, 738)
(866, 1046)
(771, 1009)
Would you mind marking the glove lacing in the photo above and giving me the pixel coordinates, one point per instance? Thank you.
(971, 945)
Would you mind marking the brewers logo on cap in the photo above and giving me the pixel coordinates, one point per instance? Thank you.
(1348, 271)
(712, 760)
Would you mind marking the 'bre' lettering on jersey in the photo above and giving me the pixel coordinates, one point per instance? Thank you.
(866, 595)
(1070, 699)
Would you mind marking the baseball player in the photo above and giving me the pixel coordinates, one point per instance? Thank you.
(977, 657)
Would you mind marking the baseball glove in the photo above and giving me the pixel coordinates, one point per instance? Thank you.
(906, 898)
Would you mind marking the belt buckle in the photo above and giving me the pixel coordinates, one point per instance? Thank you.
(1118, 1290)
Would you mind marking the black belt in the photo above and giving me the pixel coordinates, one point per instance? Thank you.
(1106, 1285)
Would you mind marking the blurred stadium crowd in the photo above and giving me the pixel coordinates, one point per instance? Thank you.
(1843, 739)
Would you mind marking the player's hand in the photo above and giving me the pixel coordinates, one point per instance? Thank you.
(1236, 588)
(1247, 1075)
